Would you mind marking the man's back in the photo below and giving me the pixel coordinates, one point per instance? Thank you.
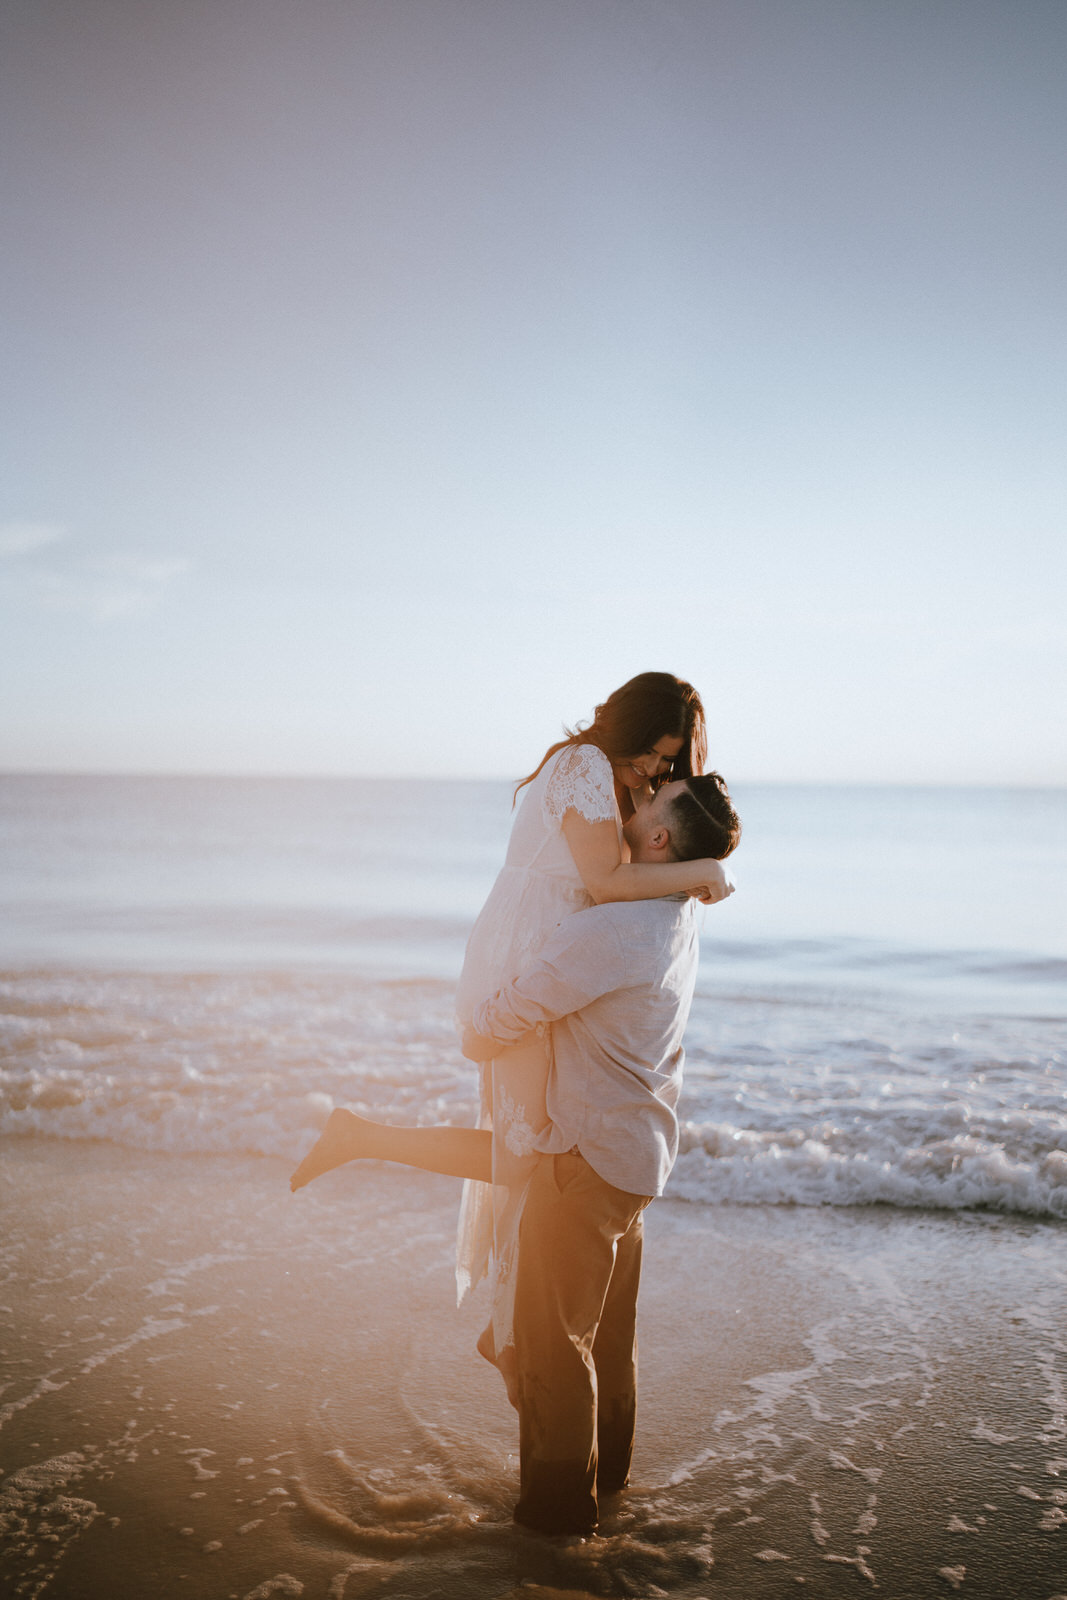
(616, 982)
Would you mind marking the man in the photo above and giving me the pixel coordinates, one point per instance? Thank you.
(615, 983)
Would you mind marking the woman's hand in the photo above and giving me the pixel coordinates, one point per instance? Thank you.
(716, 882)
(595, 848)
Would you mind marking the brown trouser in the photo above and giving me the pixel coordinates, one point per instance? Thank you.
(579, 1265)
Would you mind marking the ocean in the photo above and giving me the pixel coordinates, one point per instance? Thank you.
(853, 1368)
(206, 965)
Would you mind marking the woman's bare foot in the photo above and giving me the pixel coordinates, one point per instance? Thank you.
(340, 1141)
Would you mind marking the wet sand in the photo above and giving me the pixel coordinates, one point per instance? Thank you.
(214, 1388)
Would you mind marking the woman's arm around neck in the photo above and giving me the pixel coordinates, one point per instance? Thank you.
(596, 852)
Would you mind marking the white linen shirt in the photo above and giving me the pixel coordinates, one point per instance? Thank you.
(616, 982)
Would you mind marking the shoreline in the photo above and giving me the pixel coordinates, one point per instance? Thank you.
(216, 1387)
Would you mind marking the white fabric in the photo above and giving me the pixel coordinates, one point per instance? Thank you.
(538, 887)
(579, 779)
(615, 983)
(539, 884)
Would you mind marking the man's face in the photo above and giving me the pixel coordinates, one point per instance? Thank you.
(645, 828)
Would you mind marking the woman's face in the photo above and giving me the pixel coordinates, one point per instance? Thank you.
(635, 771)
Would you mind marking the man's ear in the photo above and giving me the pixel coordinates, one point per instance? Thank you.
(659, 839)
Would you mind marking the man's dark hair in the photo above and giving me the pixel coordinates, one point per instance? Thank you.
(702, 820)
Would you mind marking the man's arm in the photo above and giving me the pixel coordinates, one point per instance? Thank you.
(584, 960)
(477, 1047)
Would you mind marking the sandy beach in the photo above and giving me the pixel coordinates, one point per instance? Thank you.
(213, 1388)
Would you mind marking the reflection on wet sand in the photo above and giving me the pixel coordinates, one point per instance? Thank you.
(216, 1385)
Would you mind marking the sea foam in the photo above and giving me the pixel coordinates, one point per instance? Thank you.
(815, 1098)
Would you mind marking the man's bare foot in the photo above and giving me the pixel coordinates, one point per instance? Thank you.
(340, 1141)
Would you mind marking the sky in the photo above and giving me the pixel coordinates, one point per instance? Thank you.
(388, 380)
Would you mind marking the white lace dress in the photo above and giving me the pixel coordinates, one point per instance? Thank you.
(538, 886)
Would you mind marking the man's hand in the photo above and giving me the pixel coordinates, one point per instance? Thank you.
(476, 1047)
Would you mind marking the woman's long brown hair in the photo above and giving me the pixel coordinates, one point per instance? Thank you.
(652, 706)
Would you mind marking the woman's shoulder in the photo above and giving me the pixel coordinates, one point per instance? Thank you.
(579, 778)
(580, 762)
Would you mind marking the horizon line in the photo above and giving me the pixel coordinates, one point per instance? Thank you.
(259, 776)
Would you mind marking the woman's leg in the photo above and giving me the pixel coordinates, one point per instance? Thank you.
(455, 1152)
(519, 1078)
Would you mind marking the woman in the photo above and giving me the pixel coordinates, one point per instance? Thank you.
(566, 852)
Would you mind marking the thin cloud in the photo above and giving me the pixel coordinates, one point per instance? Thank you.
(21, 538)
(147, 571)
(98, 600)
(106, 587)
(115, 586)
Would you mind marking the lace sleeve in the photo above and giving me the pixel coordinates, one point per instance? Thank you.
(581, 780)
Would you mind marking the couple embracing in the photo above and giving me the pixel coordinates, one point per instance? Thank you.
(574, 996)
